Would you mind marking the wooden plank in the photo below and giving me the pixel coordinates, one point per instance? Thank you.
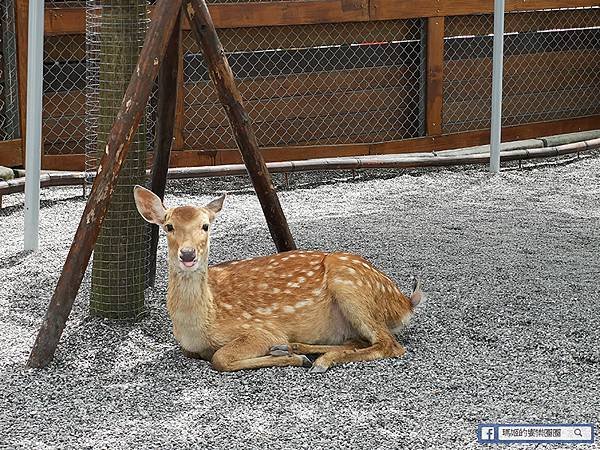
(523, 22)
(435, 75)
(11, 153)
(321, 105)
(64, 20)
(238, 15)
(64, 48)
(307, 84)
(306, 12)
(303, 36)
(363, 126)
(22, 18)
(400, 9)
(571, 103)
(481, 68)
(61, 104)
(523, 83)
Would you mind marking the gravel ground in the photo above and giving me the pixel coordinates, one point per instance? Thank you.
(509, 334)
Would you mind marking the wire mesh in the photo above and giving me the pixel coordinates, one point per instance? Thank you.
(115, 34)
(551, 68)
(312, 84)
(63, 120)
(9, 103)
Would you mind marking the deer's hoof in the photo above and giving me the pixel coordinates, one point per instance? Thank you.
(280, 350)
(305, 361)
(317, 369)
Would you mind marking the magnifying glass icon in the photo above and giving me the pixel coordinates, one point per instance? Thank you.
(577, 432)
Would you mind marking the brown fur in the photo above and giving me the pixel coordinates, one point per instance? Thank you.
(269, 311)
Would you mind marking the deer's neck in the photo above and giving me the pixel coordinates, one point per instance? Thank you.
(189, 296)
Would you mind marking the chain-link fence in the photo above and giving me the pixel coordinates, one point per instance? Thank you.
(551, 68)
(9, 103)
(313, 84)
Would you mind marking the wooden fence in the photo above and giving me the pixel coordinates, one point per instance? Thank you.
(326, 78)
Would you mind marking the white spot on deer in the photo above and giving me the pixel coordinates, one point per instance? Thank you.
(226, 305)
(294, 285)
(364, 264)
(264, 310)
(156, 61)
(317, 292)
(289, 309)
(258, 320)
(310, 273)
(287, 291)
(245, 326)
(343, 282)
(247, 316)
(263, 286)
(344, 258)
(303, 303)
(350, 270)
(276, 290)
(301, 279)
(285, 258)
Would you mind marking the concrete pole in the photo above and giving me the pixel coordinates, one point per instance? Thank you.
(498, 66)
(33, 153)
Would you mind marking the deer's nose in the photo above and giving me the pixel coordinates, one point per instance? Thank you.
(187, 254)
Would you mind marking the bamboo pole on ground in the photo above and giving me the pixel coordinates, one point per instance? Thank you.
(220, 72)
(128, 120)
(167, 85)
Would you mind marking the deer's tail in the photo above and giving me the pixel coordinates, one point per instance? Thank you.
(418, 297)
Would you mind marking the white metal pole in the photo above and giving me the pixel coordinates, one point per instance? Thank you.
(33, 138)
(498, 63)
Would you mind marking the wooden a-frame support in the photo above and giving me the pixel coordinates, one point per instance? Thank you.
(159, 51)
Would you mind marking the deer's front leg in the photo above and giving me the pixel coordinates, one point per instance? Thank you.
(249, 352)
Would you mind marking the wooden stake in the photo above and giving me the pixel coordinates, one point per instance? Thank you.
(168, 77)
(127, 122)
(220, 72)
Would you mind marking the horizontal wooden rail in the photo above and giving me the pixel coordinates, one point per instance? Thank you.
(63, 21)
(344, 163)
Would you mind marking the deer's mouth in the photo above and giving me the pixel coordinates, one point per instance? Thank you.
(188, 265)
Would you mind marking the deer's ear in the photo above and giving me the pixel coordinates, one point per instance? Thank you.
(149, 205)
(216, 205)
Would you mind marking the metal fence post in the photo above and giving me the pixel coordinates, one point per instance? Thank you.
(35, 73)
(498, 63)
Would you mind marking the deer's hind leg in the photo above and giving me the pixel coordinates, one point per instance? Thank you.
(314, 349)
(369, 325)
(251, 351)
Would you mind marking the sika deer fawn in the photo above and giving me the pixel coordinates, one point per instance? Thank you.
(273, 310)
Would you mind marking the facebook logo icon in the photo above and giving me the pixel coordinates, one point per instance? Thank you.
(487, 434)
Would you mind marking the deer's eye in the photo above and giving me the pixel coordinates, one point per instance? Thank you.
(169, 227)
(205, 227)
